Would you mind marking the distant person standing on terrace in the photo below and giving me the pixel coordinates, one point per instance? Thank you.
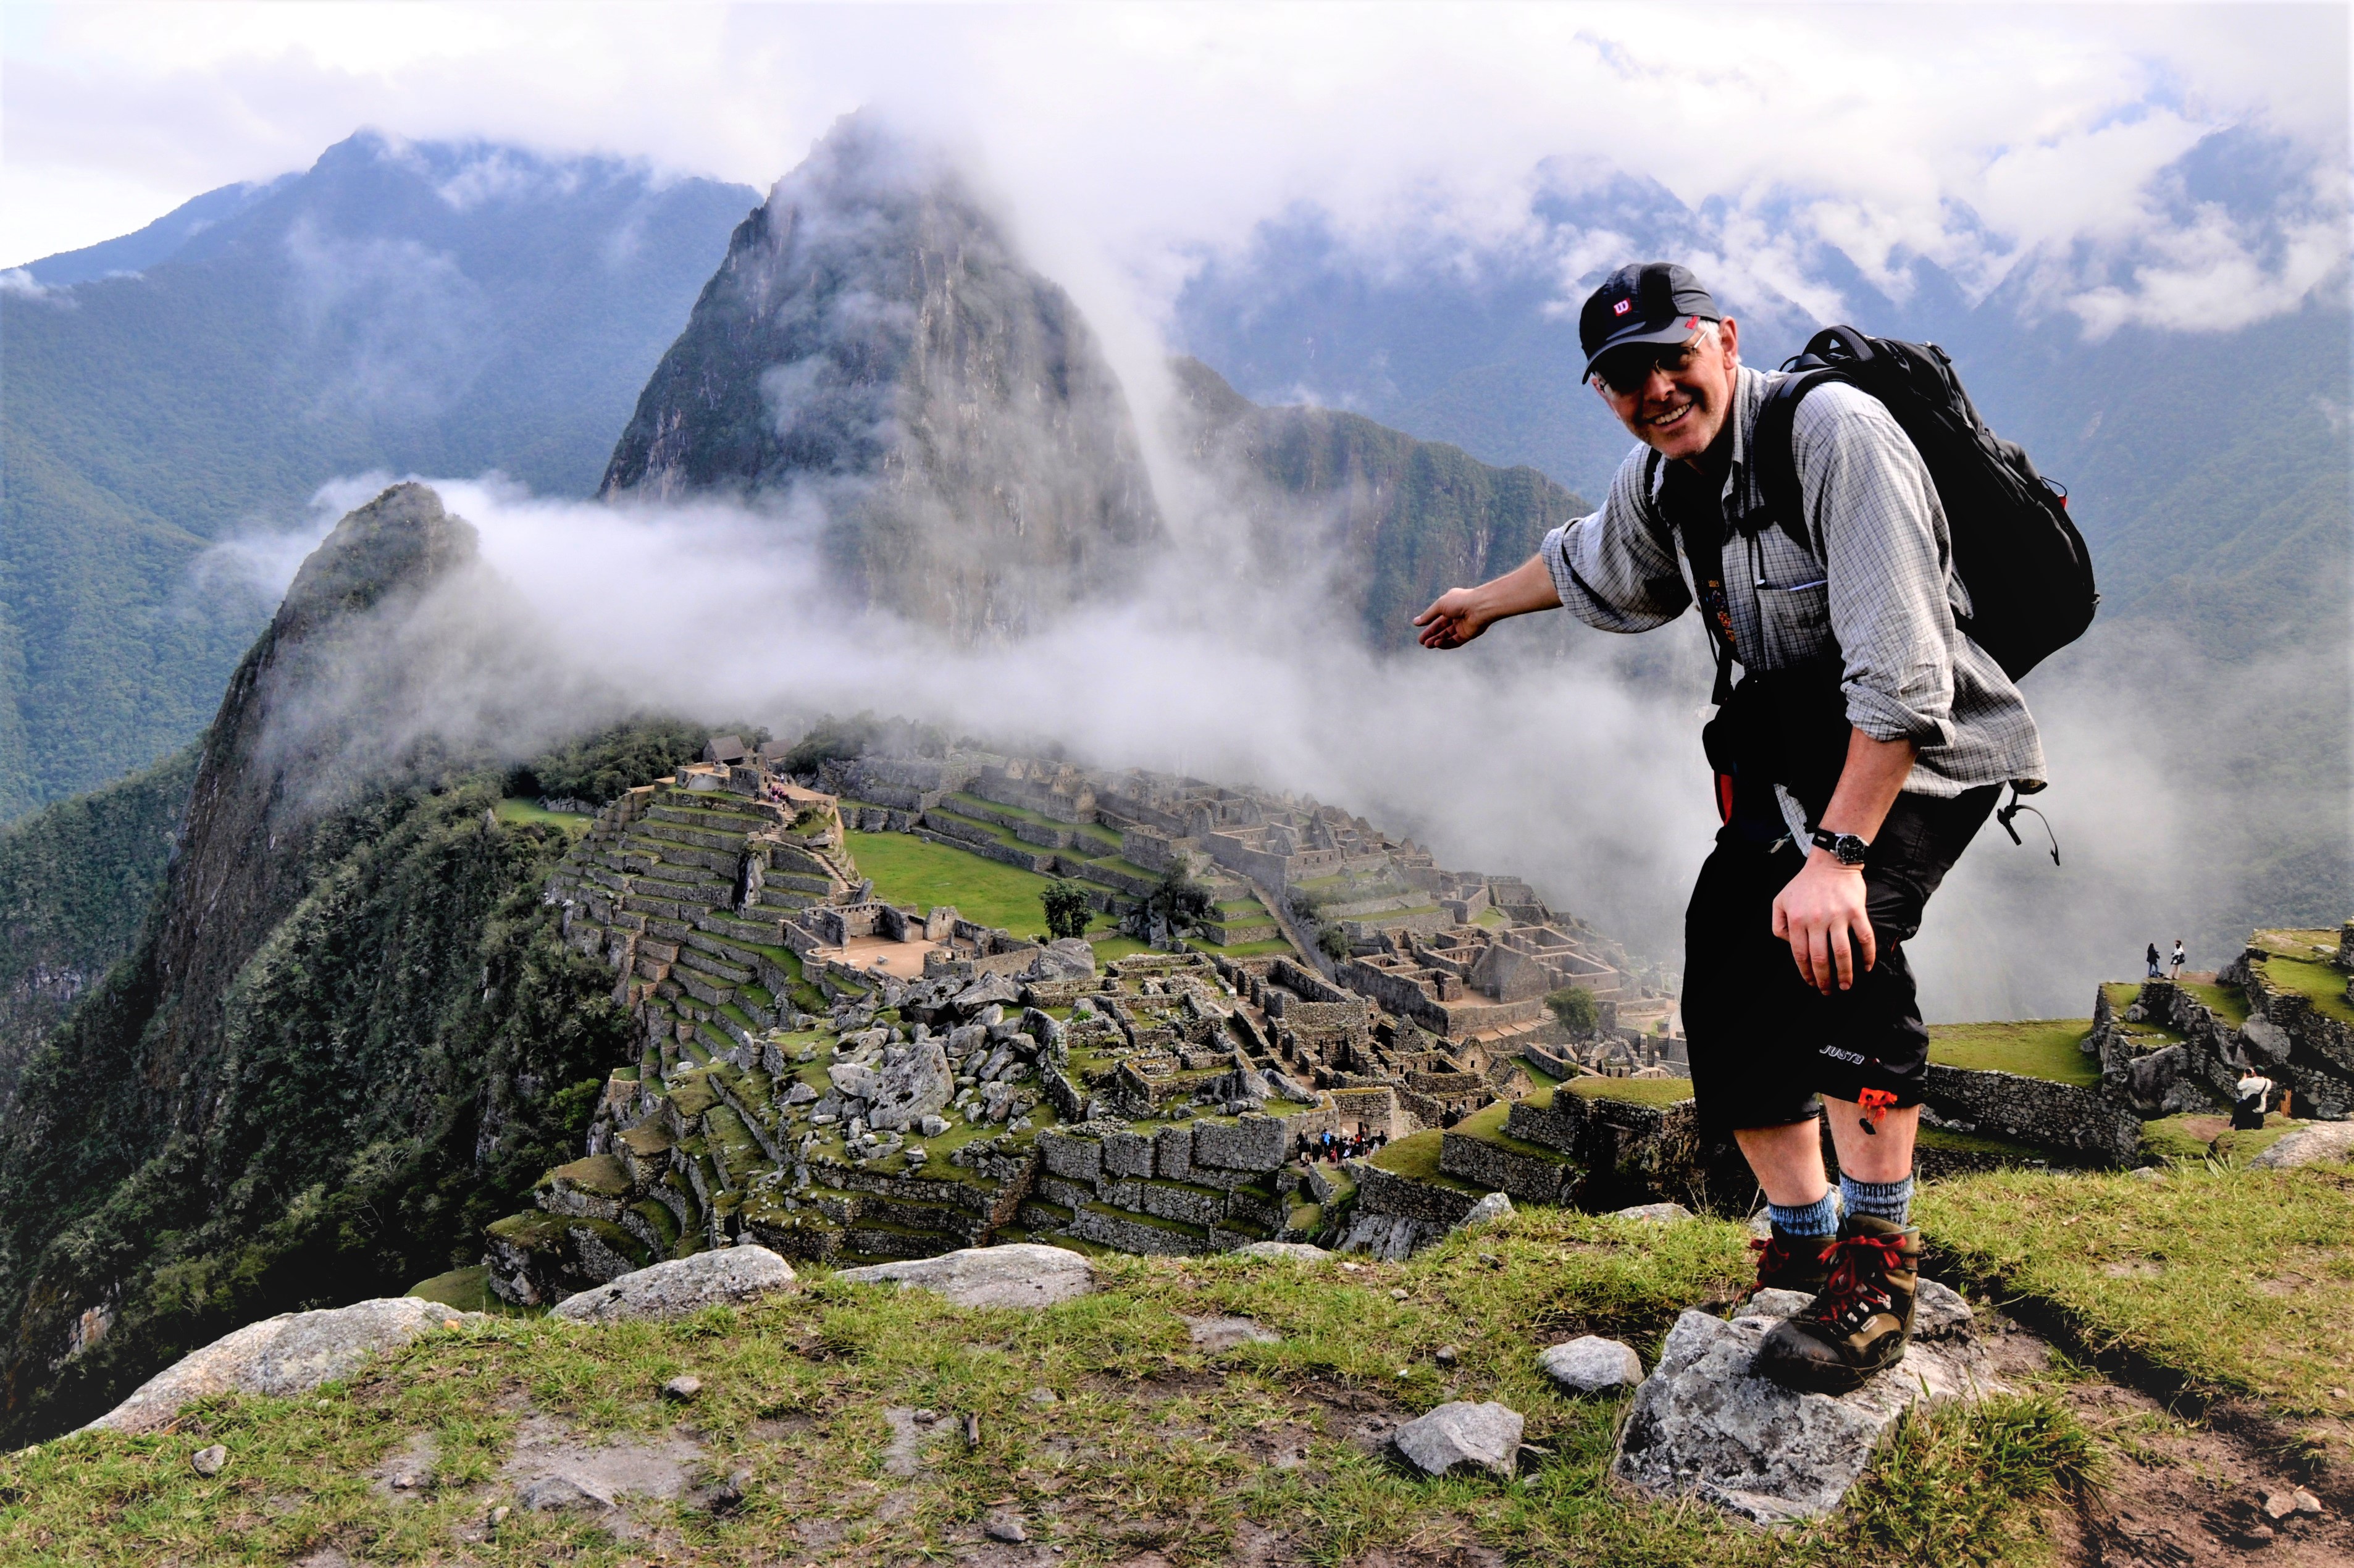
(2150, 958)
(2174, 964)
(1858, 755)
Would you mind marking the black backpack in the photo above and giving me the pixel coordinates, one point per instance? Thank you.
(2029, 574)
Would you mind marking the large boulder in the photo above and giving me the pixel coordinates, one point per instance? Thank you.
(290, 1353)
(722, 1277)
(2308, 1146)
(1462, 1437)
(1065, 958)
(987, 992)
(1020, 1274)
(913, 1082)
(1703, 1425)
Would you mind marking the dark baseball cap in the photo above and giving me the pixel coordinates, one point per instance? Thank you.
(1643, 302)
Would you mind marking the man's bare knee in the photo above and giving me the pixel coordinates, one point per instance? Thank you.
(1787, 1160)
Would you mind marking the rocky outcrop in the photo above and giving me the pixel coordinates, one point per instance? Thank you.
(1703, 1425)
(2310, 1145)
(911, 1083)
(874, 349)
(723, 1277)
(1022, 1274)
(290, 1353)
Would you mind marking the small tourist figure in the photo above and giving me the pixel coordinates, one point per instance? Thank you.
(2150, 958)
(2175, 964)
(2254, 1091)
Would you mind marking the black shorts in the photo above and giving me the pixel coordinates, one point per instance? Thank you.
(1763, 1041)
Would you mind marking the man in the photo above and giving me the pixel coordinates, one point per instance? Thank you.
(2149, 962)
(1861, 750)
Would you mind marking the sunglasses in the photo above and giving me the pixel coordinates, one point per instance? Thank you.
(1628, 370)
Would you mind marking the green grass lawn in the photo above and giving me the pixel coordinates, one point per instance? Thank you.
(1149, 1444)
(909, 870)
(1092, 834)
(2322, 984)
(2223, 1000)
(2196, 1135)
(1245, 949)
(1640, 1091)
(2033, 1048)
(514, 809)
(2241, 1281)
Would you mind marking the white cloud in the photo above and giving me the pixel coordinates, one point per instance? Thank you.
(25, 286)
(1130, 137)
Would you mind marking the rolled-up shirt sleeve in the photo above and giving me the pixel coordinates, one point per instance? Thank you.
(1617, 570)
(1880, 532)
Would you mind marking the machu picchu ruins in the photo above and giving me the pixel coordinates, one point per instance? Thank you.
(843, 1078)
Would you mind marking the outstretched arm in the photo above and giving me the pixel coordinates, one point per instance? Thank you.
(1458, 615)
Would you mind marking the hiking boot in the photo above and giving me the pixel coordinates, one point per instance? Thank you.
(1859, 1323)
(1785, 1262)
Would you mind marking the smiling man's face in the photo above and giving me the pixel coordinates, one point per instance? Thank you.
(1675, 400)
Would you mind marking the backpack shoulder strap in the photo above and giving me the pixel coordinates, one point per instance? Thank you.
(1771, 448)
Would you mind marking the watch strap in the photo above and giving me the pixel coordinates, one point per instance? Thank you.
(1847, 849)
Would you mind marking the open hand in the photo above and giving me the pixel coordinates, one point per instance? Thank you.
(1820, 914)
(1455, 617)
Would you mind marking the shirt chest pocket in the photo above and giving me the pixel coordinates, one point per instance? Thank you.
(1795, 623)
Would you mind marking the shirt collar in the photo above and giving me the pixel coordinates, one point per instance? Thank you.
(1748, 397)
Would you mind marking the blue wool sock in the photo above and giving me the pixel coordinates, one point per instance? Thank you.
(1890, 1201)
(1820, 1218)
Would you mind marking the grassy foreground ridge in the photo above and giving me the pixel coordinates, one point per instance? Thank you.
(1138, 1441)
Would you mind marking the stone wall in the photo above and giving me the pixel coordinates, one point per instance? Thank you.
(2081, 1120)
(1380, 1192)
(1531, 1176)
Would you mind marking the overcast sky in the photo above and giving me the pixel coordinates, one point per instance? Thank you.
(1128, 138)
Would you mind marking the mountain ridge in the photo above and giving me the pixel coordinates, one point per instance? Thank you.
(399, 307)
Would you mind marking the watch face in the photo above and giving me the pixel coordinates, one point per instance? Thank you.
(1851, 849)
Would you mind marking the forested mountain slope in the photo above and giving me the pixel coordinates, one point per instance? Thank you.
(347, 1034)
(76, 879)
(1387, 522)
(400, 306)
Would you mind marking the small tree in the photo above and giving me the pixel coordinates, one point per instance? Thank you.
(1176, 904)
(1067, 909)
(1333, 943)
(1573, 1008)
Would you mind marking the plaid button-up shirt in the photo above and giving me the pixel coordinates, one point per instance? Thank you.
(1878, 587)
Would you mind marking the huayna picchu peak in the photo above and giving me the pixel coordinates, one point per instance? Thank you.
(875, 351)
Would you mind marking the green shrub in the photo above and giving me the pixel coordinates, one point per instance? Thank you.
(1573, 1007)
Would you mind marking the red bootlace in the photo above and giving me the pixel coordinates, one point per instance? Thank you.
(1773, 1252)
(1848, 1296)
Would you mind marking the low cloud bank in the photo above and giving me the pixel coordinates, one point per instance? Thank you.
(1514, 756)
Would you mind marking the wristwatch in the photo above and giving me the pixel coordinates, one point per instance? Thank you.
(1845, 848)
